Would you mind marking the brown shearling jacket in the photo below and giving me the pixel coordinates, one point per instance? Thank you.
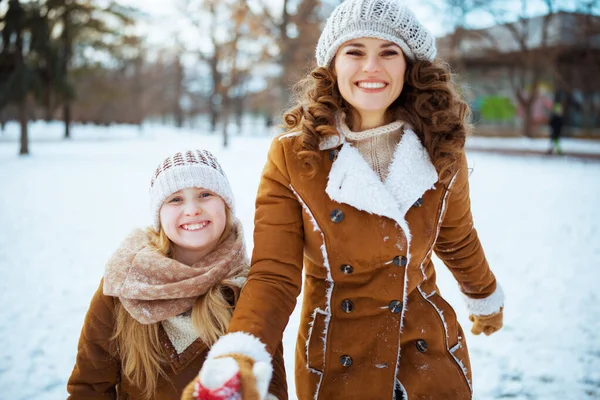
(373, 323)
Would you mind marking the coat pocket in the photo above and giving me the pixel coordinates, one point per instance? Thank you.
(316, 342)
(455, 342)
(448, 317)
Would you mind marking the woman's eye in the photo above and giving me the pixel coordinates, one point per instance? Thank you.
(205, 194)
(175, 200)
(353, 53)
(389, 53)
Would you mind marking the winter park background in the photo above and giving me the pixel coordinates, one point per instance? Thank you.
(66, 207)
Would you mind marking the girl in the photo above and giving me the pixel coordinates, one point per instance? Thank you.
(369, 181)
(168, 291)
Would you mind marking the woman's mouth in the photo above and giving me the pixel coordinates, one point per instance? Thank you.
(371, 85)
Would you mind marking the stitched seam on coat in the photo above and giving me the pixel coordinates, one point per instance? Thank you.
(329, 278)
(451, 352)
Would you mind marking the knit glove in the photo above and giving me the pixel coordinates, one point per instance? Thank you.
(231, 377)
(487, 324)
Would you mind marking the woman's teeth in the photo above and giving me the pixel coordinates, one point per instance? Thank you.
(371, 85)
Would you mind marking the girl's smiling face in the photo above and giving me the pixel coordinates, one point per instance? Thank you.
(370, 76)
(194, 220)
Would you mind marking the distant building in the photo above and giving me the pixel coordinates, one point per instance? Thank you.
(561, 52)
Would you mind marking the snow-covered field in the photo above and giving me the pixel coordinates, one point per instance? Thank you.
(65, 208)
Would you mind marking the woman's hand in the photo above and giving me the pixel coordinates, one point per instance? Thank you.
(230, 377)
(487, 324)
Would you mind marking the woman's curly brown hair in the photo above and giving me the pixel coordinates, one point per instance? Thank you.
(429, 101)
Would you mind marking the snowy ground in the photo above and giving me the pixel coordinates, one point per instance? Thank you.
(64, 209)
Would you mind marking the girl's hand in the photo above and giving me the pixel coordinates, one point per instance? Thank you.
(487, 324)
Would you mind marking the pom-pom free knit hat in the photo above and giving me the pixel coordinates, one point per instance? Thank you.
(192, 168)
(381, 19)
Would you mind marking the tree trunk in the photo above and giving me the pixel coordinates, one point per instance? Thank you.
(67, 119)
(527, 128)
(65, 67)
(225, 119)
(214, 116)
(23, 120)
(177, 110)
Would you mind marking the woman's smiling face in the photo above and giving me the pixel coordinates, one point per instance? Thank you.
(370, 76)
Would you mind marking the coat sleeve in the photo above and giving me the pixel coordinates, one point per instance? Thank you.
(96, 372)
(278, 386)
(458, 246)
(275, 278)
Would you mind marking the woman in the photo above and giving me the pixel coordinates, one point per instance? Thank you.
(168, 292)
(370, 180)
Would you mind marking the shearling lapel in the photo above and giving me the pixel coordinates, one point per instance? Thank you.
(411, 172)
(352, 181)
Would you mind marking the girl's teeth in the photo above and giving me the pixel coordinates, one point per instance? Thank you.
(194, 227)
(371, 85)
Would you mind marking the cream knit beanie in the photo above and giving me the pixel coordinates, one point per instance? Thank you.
(381, 19)
(192, 168)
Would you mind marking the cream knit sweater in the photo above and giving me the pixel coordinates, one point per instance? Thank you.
(376, 145)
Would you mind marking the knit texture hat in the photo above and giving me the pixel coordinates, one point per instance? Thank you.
(381, 19)
(192, 168)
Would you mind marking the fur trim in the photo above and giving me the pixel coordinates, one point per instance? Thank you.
(487, 306)
(350, 177)
(240, 343)
(411, 172)
(327, 312)
(331, 142)
(180, 331)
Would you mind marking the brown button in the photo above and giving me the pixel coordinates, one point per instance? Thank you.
(395, 306)
(336, 216)
(400, 261)
(346, 361)
(333, 154)
(418, 203)
(421, 345)
(347, 269)
(347, 306)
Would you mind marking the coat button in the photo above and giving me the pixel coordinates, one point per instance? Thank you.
(395, 306)
(418, 203)
(421, 346)
(336, 215)
(346, 361)
(347, 306)
(347, 269)
(333, 154)
(400, 261)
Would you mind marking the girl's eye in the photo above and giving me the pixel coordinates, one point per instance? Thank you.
(205, 194)
(353, 53)
(175, 200)
(389, 53)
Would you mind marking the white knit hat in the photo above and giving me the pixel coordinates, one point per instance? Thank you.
(182, 170)
(381, 19)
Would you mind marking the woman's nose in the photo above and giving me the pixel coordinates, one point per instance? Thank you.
(371, 64)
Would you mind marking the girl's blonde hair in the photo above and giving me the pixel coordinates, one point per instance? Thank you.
(138, 345)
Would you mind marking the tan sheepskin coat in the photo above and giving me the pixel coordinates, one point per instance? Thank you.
(372, 316)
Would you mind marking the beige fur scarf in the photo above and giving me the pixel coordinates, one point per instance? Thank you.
(153, 287)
